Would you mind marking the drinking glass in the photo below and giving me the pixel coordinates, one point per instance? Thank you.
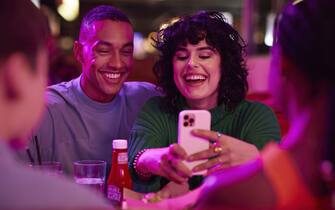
(91, 173)
(48, 167)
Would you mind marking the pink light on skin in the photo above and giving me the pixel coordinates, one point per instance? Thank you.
(232, 175)
(299, 124)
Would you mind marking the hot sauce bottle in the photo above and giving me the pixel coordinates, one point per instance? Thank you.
(119, 177)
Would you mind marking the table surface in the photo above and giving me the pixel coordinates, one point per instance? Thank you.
(134, 200)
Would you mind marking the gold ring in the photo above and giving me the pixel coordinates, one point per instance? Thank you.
(218, 149)
(151, 198)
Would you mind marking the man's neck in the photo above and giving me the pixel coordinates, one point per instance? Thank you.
(91, 92)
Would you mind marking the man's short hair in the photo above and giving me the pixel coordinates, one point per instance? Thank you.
(103, 12)
(24, 29)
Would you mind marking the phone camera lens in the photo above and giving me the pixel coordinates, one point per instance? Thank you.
(191, 120)
(185, 117)
(185, 124)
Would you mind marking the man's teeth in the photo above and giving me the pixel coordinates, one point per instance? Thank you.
(113, 75)
(195, 77)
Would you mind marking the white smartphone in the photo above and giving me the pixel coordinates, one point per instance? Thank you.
(187, 121)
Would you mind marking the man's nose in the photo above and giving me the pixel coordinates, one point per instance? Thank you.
(115, 61)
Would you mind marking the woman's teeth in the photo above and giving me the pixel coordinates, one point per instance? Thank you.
(195, 77)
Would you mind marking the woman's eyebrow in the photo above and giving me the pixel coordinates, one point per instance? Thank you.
(184, 49)
(181, 49)
(206, 48)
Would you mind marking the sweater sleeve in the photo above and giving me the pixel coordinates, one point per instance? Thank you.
(261, 125)
(148, 131)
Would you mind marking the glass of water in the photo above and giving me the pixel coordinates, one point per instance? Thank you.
(91, 173)
(48, 167)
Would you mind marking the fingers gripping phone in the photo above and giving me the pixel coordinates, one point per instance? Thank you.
(187, 121)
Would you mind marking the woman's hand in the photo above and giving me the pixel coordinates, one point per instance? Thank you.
(170, 190)
(167, 162)
(225, 152)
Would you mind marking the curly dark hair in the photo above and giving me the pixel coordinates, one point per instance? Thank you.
(212, 27)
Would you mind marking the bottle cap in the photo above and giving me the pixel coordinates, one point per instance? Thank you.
(120, 144)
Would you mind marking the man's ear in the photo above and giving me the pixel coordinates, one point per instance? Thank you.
(15, 68)
(78, 51)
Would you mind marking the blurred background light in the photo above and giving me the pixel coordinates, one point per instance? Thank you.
(69, 9)
(268, 40)
(53, 19)
(36, 2)
(66, 42)
(139, 51)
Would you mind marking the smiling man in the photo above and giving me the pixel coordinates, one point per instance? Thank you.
(105, 50)
(84, 115)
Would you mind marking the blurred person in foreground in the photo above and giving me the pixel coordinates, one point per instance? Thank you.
(201, 66)
(23, 76)
(85, 114)
(298, 173)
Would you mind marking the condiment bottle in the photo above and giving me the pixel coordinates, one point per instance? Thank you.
(119, 177)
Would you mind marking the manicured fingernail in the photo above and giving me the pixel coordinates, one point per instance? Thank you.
(191, 158)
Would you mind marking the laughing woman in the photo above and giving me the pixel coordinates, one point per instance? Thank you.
(201, 66)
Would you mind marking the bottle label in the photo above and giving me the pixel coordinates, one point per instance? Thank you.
(122, 158)
(114, 193)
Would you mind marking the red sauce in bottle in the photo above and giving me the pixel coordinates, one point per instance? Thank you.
(119, 177)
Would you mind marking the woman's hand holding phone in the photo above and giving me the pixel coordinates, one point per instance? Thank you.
(194, 154)
(226, 151)
(167, 162)
(172, 165)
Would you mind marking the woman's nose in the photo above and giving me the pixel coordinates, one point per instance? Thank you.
(193, 62)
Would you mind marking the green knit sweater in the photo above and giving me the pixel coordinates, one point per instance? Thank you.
(252, 122)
